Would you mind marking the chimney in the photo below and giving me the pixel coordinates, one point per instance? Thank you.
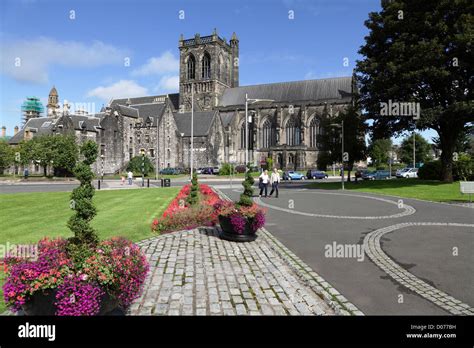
(4, 132)
(15, 130)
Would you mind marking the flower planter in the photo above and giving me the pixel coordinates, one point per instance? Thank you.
(228, 232)
(42, 303)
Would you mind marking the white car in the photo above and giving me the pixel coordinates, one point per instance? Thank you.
(399, 172)
(410, 173)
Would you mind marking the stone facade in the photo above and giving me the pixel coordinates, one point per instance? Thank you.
(284, 117)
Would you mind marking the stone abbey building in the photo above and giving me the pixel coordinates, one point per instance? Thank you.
(285, 126)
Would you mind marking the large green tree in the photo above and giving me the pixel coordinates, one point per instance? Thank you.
(379, 150)
(420, 51)
(422, 150)
(7, 155)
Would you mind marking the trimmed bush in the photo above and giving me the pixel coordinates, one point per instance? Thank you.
(430, 171)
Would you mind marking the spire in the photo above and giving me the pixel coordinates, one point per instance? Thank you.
(234, 37)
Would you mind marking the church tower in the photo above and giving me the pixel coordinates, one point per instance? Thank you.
(210, 65)
(53, 105)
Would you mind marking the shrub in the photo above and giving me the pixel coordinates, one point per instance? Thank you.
(181, 215)
(239, 215)
(246, 196)
(463, 168)
(240, 168)
(227, 169)
(115, 266)
(193, 197)
(135, 165)
(81, 198)
(430, 171)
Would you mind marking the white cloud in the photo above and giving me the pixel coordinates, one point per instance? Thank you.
(29, 60)
(167, 84)
(120, 89)
(164, 64)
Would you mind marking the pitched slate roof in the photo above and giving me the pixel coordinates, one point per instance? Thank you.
(332, 89)
(128, 111)
(40, 126)
(86, 122)
(174, 99)
(140, 100)
(227, 117)
(153, 110)
(202, 122)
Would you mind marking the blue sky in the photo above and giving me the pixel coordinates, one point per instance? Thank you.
(83, 47)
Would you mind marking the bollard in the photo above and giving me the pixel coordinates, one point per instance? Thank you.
(98, 184)
(147, 182)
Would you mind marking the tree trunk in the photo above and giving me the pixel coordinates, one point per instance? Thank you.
(447, 144)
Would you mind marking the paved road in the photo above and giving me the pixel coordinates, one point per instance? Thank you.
(298, 219)
(115, 184)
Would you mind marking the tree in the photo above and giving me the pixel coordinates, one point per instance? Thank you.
(419, 52)
(65, 153)
(81, 199)
(379, 150)
(422, 150)
(7, 155)
(354, 137)
(329, 141)
(135, 165)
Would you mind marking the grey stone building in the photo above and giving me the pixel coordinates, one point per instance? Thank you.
(285, 127)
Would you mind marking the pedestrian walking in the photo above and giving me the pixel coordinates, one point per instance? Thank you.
(123, 179)
(263, 182)
(130, 177)
(26, 173)
(274, 181)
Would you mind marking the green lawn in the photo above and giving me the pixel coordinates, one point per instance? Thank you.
(410, 188)
(28, 217)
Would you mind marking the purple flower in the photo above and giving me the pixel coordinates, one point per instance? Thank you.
(238, 223)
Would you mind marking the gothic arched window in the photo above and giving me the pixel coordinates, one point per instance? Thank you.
(206, 66)
(268, 134)
(191, 68)
(293, 133)
(314, 132)
(242, 136)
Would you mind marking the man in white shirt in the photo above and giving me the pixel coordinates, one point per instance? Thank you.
(264, 179)
(274, 181)
(130, 177)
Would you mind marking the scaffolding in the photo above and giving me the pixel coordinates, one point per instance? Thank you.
(31, 108)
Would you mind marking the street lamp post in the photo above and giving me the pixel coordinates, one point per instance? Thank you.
(414, 161)
(341, 125)
(192, 130)
(143, 167)
(251, 101)
(102, 157)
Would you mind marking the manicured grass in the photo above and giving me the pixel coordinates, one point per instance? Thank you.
(28, 217)
(410, 188)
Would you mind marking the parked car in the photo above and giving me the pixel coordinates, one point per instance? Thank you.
(316, 174)
(359, 173)
(377, 175)
(199, 170)
(215, 170)
(170, 171)
(207, 170)
(292, 175)
(410, 173)
(399, 172)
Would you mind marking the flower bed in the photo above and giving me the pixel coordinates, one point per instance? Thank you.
(115, 269)
(180, 215)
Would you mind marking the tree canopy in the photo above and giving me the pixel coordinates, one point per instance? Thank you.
(420, 52)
